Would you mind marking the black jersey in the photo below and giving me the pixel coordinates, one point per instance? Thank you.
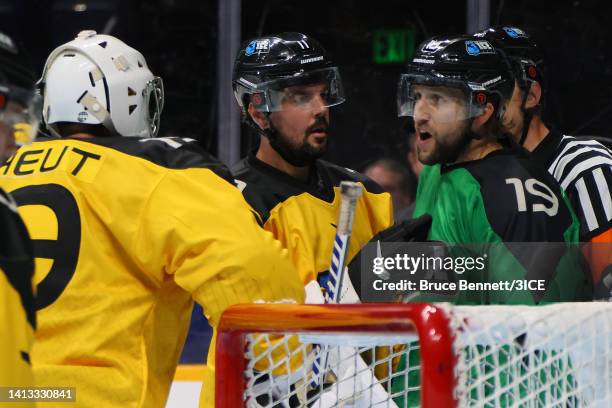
(583, 168)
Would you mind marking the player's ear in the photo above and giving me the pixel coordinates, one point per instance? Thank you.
(534, 96)
(480, 120)
(260, 118)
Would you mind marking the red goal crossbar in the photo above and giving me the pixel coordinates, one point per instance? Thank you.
(429, 322)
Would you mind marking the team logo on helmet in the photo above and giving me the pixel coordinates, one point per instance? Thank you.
(82, 116)
(435, 45)
(479, 47)
(472, 48)
(257, 46)
(250, 49)
(532, 72)
(514, 32)
(481, 98)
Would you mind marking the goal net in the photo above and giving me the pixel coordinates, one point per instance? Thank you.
(409, 355)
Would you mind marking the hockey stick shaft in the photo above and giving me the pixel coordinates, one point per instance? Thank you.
(350, 192)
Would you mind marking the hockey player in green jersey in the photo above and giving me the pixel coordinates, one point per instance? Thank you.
(478, 189)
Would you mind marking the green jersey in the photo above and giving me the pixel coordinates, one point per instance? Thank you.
(499, 206)
(492, 205)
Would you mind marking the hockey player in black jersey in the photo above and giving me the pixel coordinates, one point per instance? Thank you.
(285, 85)
(19, 109)
(582, 167)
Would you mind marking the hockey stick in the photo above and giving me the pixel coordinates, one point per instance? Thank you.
(350, 192)
(354, 379)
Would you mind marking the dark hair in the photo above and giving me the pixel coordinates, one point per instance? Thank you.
(67, 129)
(493, 128)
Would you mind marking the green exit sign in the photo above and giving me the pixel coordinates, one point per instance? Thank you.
(393, 46)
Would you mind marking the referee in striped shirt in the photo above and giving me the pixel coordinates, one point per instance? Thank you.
(582, 167)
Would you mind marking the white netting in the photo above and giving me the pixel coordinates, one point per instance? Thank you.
(350, 375)
(507, 356)
(528, 356)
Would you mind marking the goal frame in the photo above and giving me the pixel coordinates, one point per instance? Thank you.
(430, 322)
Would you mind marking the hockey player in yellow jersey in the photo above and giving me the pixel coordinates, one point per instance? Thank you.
(285, 85)
(17, 315)
(18, 124)
(128, 230)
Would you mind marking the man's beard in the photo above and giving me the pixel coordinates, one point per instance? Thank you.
(305, 154)
(449, 152)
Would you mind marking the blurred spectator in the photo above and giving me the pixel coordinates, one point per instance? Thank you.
(415, 168)
(413, 160)
(396, 179)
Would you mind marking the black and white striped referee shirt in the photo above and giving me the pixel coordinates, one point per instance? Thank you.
(583, 168)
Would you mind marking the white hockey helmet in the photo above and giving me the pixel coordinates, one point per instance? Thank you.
(98, 79)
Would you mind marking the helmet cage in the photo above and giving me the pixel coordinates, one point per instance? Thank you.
(154, 96)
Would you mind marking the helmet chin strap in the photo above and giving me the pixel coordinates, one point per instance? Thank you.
(469, 133)
(527, 115)
(251, 123)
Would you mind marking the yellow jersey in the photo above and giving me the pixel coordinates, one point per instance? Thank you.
(302, 215)
(126, 232)
(17, 315)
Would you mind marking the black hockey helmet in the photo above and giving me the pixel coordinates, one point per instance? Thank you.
(265, 66)
(527, 62)
(523, 53)
(464, 62)
(20, 105)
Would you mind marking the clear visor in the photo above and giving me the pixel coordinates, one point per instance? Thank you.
(441, 100)
(20, 112)
(319, 88)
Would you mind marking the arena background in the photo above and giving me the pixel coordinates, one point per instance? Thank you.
(368, 40)
(179, 39)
